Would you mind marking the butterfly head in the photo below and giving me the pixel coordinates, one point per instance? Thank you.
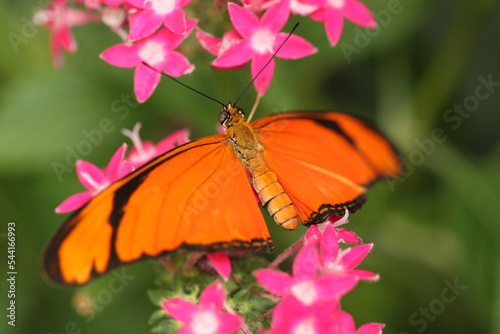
(230, 115)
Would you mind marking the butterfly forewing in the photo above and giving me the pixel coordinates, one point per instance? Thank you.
(196, 196)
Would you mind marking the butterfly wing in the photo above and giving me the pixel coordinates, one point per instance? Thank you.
(196, 196)
(325, 161)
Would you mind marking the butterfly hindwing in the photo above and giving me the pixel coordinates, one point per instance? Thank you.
(196, 196)
(324, 161)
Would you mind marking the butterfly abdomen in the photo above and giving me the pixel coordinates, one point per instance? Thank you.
(248, 150)
(273, 197)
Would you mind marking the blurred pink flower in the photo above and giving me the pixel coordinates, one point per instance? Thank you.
(332, 13)
(95, 179)
(261, 38)
(205, 318)
(158, 52)
(144, 151)
(59, 18)
(151, 14)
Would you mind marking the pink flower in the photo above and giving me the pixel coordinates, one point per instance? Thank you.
(221, 263)
(95, 179)
(343, 262)
(205, 318)
(58, 18)
(151, 14)
(158, 52)
(306, 284)
(332, 13)
(144, 151)
(261, 38)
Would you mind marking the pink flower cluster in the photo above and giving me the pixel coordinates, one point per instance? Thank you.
(152, 30)
(309, 298)
(95, 179)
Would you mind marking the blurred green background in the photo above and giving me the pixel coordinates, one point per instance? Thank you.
(436, 230)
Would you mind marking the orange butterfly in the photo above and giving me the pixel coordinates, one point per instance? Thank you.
(200, 196)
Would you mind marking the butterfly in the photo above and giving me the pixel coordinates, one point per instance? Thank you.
(201, 196)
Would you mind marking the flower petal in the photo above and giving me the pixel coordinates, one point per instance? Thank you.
(170, 40)
(176, 21)
(298, 7)
(74, 202)
(344, 322)
(313, 236)
(213, 296)
(209, 42)
(276, 16)
(136, 3)
(348, 236)
(259, 62)
(90, 176)
(236, 55)
(364, 275)
(220, 261)
(274, 281)
(114, 166)
(243, 20)
(334, 286)
(358, 13)
(180, 309)
(334, 23)
(143, 23)
(121, 55)
(176, 64)
(306, 263)
(229, 323)
(295, 47)
(145, 82)
(353, 256)
(371, 328)
(329, 245)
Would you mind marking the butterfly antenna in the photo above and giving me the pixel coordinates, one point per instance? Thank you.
(183, 84)
(264, 67)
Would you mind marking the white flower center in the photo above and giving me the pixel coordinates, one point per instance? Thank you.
(338, 4)
(305, 292)
(152, 53)
(262, 41)
(306, 326)
(204, 322)
(162, 7)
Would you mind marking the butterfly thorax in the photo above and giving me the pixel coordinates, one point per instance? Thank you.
(249, 150)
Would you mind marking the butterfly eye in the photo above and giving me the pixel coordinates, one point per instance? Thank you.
(224, 117)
